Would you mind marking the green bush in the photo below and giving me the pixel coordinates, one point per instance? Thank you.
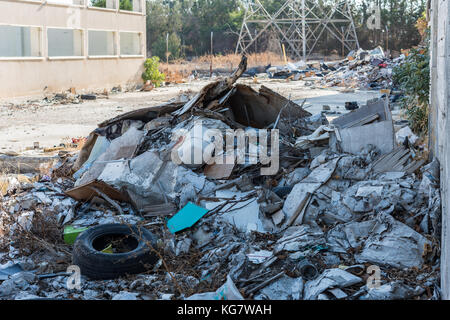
(413, 78)
(152, 72)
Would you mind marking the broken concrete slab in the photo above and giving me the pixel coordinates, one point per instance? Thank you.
(383, 241)
(297, 199)
(329, 279)
(353, 140)
(285, 288)
(377, 107)
(393, 291)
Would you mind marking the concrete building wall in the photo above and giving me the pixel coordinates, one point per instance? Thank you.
(439, 120)
(50, 46)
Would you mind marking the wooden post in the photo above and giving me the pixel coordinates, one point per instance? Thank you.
(212, 55)
(167, 48)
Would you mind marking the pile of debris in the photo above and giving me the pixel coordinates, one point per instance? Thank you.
(332, 211)
(71, 97)
(362, 69)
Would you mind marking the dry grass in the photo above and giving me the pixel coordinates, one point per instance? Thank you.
(220, 62)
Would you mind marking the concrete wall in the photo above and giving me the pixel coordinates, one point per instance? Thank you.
(439, 120)
(64, 62)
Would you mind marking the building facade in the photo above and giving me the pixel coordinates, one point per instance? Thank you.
(55, 45)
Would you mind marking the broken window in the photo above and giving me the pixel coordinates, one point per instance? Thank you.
(108, 4)
(130, 5)
(130, 43)
(65, 42)
(102, 43)
(17, 41)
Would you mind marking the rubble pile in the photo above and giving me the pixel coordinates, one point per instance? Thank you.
(71, 97)
(362, 69)
(346, 214)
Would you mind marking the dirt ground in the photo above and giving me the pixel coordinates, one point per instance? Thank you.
(51, 125)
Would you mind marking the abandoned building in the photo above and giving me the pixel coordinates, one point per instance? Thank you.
(56, 45)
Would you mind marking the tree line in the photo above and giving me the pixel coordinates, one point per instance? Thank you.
(187, 25)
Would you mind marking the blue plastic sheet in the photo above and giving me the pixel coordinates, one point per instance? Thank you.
(186, 218)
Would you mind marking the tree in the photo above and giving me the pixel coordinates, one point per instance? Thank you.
(98, 3)
(193, 20)
(160, 46)
(126, 5)
(123, 4)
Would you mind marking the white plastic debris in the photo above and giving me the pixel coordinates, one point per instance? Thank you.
(227, 292)
(404, 133)
(258, 257)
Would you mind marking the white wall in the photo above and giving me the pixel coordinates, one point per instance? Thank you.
(25, 76)
(440, 121)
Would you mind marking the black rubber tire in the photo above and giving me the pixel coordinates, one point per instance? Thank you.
(97, 265)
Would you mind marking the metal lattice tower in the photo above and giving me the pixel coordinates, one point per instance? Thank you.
(299, 25)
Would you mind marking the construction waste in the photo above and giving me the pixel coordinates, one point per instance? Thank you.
(307, 209)
(362, 69)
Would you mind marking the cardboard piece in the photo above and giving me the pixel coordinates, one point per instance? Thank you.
(85, 192)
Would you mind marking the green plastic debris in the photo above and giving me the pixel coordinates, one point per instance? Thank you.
(71, 234)
(186, 218)
(108, 249)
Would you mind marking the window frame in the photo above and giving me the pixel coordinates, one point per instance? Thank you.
(116, 42)
(89, 7)
(141, 49)
(83, 44)
(41, 44)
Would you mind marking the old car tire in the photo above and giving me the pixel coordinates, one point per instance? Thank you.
(137, 257)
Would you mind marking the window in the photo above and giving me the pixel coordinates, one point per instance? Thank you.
(108, 4)
(130, 5)
(65, 43)
(68, 2)
(102, 43)
(17, 41)
(130, 44)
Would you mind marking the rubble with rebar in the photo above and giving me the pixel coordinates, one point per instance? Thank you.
(342, 218)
